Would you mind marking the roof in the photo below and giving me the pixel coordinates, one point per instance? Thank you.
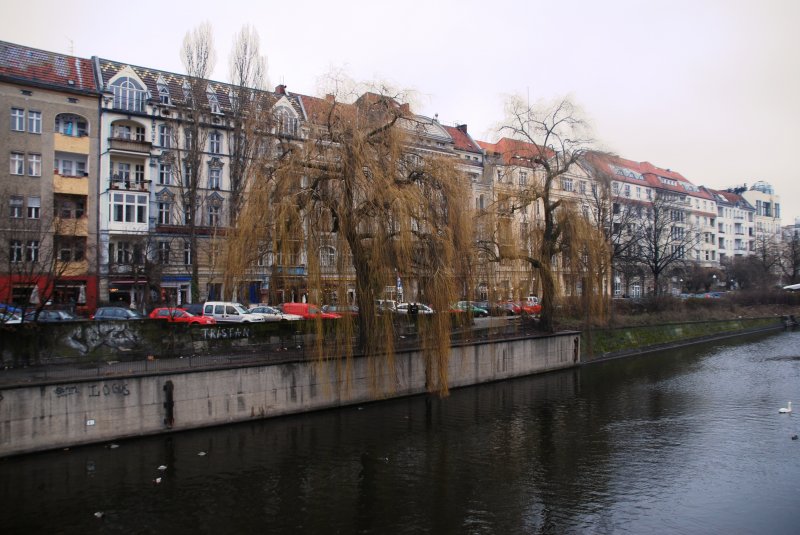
(462, 140)
(730, 197)
(633, 172)
(517, 152)
(46, 69)
(175, 83)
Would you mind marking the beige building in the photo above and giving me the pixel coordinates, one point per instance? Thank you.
(49, 176)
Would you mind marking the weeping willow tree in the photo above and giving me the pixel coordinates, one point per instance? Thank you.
(555, 237)
(356, 185)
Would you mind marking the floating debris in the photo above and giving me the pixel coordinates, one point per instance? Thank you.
(113, 446)
(162, 467)
(99, 514)
(202, 453)
(157, 480)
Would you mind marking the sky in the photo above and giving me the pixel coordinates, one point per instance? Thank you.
(707, 88)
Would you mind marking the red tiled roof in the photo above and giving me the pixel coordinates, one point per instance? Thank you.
(462, 140)
(49, 69)
(517, 152)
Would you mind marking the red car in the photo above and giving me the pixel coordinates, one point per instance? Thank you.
(308, 311)
(178, 315)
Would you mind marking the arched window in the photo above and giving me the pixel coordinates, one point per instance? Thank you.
(71, 125)
(128, 94)
(287, 123)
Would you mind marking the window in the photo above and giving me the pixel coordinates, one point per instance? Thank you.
(566, 184)
(187, 253)
(129, 208)
(138, 173)
(499, 175)
(287, 123)
(71, 125)
(15, 207)
(213, 216)
(582, 187)
(214, 142)
(17, 163)
(34, 207)
(34, 164)
(188, 139)
(70, 248)
(17, 119)
(523, 178)
(213, 177)
(15, 251)
(32, 251)
(70, 207)
(128, 94)
(164, 135)
(627, 190)
(65, 167)
(34, 122)
(213, 103)
(163, 252)
(327, 257)
(119, 252)
(165, 174)
(164, 211)
(163, 93)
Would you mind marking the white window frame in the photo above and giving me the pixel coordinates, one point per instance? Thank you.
(17, 119)
(15, 251)
(214, 142)
(214, 177)
(164, 213)
(165, 174)
(34, 122)
(214, 215)
(128, 208)
(32, 251)
(17, 163)
(34, 165)
(164, 136)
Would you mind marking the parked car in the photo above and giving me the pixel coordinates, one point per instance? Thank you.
(403, 308)
(385, 305)
(273, 314)
(467, 306)
(343, 310)
(116, 313)
(51, 316)
(195, 309)
(178, 315)
(230, 312)
(307, 311)
(494, 309)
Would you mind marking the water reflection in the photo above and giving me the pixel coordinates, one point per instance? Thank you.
(683, 441)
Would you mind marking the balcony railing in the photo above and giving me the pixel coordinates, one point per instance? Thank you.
(130, 145)
(128, 184)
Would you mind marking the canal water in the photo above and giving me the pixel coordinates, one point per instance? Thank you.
(684, 441)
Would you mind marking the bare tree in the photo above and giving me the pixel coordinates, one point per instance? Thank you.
(555, 140)
(666, 237)
(189, 132)
(249, 113)
(790, 257)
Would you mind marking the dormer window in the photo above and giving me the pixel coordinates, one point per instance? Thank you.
(233, 98)
(287, 123)
(129, 94)
(213, 103)
(163, 94)
(187, 91)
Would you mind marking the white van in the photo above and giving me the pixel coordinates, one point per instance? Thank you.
(229, 312)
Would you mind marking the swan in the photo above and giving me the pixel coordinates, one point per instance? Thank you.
(786, 410)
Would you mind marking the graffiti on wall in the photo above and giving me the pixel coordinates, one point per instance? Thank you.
(94, 390)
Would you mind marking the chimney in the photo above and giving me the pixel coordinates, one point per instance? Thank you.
(405, 109)
(280, 89)
(462, 127)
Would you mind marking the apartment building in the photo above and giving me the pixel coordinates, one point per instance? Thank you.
(735, 224)
(49, 179)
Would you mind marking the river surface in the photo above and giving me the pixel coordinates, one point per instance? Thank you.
(684, 441)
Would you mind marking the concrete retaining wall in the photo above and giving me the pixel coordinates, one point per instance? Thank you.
(52, 416)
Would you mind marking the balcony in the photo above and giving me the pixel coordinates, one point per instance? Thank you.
(71, 227)
(129, 145)
(73, 144)
(128, 185)
(71, 185)
(74, 269)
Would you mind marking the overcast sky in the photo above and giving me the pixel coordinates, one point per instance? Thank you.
(708, 88)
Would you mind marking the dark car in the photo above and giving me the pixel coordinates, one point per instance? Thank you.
(344, 310)
(51, 316)
(117, 313)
